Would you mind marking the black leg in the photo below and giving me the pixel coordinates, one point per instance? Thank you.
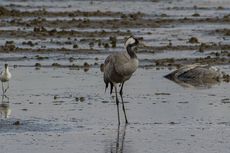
(121, 90)
(2, 98)
(3, 89)
(117, 102)
(123, 138)
(8, 86)
(118, 139)
(123, 106)
(6, 97)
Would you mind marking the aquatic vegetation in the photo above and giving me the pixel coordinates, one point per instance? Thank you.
(56, 65)
(193, 40)
(37, 65)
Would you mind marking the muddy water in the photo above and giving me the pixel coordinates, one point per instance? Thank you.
(164, 116)
(62, 107)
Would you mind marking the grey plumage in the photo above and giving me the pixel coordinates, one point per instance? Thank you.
(118, 68)
(195, 75)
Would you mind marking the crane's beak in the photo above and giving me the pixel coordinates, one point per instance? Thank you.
(142, 44)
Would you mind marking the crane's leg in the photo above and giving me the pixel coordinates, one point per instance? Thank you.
(117, 102)
(8, 86)
(123, 106)
(7, 98)
(123, 138)
(2, 98)
(118, 139)
(3, 89)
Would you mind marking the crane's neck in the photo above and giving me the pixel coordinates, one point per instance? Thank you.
(7, 69)
(131, 52)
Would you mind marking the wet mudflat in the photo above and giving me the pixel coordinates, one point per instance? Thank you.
(56, 101)
(67, 110)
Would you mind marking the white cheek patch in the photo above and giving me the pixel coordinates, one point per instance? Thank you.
(131, 40)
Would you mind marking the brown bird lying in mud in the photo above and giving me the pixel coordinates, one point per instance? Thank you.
(196, 75)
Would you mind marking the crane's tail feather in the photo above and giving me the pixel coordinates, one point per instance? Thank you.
(106, 86)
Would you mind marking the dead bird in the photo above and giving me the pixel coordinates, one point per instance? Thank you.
(196, 75)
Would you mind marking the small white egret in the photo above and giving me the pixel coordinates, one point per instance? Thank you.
(5, 78)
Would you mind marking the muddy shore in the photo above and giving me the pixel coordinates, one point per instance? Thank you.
(37, 26)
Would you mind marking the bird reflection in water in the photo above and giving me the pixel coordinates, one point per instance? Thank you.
(5, 110)
(117, 145)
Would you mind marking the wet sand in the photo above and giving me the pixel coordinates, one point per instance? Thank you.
(56, 101)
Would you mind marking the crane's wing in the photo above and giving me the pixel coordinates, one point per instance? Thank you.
(124, 65)
(108, 67)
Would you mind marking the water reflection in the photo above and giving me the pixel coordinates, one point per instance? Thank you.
(117, 145)
(5, 110)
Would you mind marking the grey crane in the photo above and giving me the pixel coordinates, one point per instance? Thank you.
(119, 67)
(5, 76)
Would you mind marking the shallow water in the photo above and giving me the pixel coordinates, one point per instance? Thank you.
(163, 115)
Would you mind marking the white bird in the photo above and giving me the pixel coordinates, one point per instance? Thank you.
(118, 68)
(5, 78)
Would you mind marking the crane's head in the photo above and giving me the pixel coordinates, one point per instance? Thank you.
(132, 41)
